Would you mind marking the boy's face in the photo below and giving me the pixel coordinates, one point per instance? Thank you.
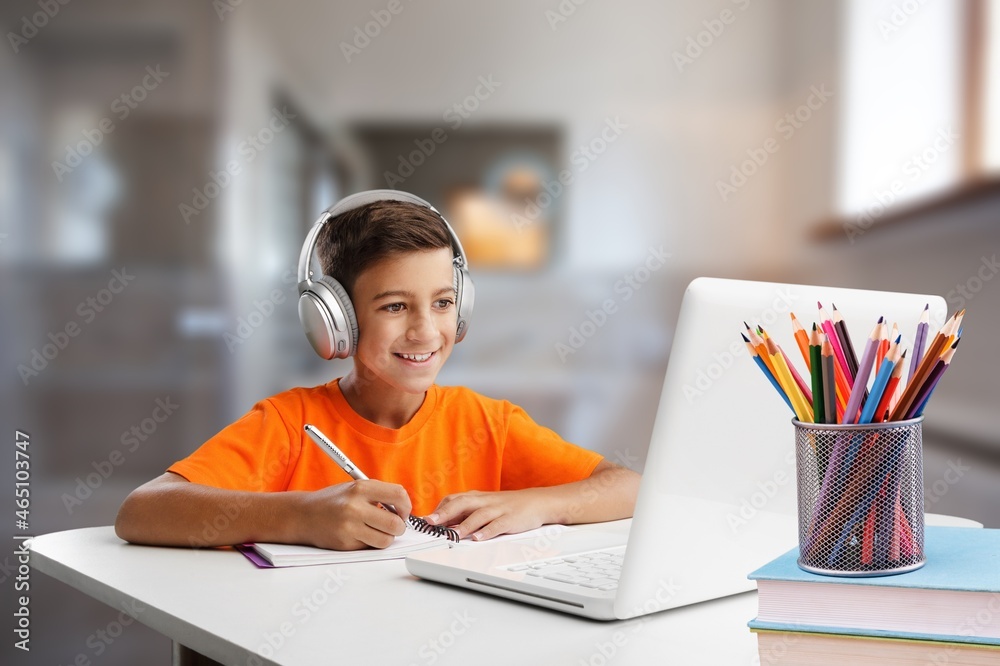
(405, 305)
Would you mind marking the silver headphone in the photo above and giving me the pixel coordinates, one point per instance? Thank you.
(325, 309)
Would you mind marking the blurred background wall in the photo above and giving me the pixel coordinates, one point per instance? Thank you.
(160, 164)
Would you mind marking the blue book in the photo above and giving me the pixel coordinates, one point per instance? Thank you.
(954, 597)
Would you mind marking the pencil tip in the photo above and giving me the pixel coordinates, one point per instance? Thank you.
(898, 338)
(881, 319)
(746, 324)
(745, 338)
(927, 307)
(819, 305)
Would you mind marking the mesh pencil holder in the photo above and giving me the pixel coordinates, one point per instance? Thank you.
(861, 497)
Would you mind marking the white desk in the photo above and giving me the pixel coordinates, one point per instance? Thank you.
(217, 603)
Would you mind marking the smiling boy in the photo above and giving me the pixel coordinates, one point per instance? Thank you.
(462, 459)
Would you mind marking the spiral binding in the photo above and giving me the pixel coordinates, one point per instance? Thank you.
(421, 525)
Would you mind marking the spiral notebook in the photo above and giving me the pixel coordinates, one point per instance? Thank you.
(419, 535)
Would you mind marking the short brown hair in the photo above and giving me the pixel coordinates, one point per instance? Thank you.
(353, 241)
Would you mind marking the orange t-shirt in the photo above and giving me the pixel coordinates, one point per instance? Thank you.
(457, 441)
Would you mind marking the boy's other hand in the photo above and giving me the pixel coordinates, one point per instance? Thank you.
(348, 516)
(484, 515)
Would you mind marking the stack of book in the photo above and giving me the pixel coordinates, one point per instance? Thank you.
(947, 612)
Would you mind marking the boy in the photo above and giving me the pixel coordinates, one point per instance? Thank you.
(478, 464)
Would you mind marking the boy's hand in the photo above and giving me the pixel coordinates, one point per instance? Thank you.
(485, 515)
(347, 516)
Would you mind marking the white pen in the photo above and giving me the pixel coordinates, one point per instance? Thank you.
(338, 457)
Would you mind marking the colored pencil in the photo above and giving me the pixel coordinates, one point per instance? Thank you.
(767, 373)
(932, 381)
(784, 376)
(816, 362)
(843, 388)
(803, 341)
(760, 347)
(883, 345)
(827, 324)
(919, 342)
(830, 405)
(846, 345)
(881, 412)
(801, 383)
(885, 370)
(861, 381)
(926, 365)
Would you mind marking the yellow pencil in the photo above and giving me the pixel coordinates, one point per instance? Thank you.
(802, 409)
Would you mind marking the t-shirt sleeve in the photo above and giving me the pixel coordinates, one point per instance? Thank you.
(254, 453)
(535, 456)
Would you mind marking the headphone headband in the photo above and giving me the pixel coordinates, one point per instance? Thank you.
(325, 308)
(358, 200)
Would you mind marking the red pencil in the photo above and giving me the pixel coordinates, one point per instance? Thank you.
(890, 389)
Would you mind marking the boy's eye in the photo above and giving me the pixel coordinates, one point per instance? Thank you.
(445, 303)
(393, 307)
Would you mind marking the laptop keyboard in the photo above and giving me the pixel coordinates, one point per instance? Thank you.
(596, 570)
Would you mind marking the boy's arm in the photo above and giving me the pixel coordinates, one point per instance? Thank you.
(171, 511)
(609, 493)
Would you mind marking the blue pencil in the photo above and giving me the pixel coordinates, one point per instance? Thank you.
(881, 380)
(767, 372)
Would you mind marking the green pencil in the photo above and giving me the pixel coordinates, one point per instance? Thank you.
(815, 361)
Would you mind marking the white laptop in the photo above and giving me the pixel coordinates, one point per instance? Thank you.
(718, 494)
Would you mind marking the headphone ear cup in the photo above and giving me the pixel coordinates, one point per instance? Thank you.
(327, 315)
(465, 299)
